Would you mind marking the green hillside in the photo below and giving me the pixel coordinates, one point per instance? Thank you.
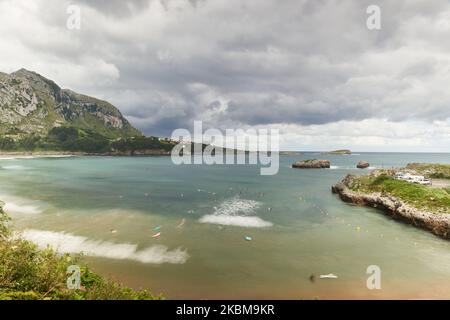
(37, 115)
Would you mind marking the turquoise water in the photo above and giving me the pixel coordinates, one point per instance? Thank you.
(111, 208)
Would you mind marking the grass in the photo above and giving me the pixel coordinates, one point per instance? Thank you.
(432, 170)
(28, 273)
(419, 196)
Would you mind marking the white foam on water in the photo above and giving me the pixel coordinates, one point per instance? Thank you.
(15, 167)
(37, 156)
(16, 157)
(15, 205)
(69, 243)
(239, 221)
(56, 156)
(236, 212)
(20, 208)
(350, 168)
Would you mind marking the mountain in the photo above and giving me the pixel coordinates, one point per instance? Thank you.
(31, 104)
(37, 115)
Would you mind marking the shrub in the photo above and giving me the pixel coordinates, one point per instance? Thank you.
(28, 273)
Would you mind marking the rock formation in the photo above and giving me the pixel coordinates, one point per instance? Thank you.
(362, 165)
(438, 224)
(31, 104)
(311, 164)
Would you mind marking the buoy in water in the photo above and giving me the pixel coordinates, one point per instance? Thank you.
(328, 276)
(247, 238)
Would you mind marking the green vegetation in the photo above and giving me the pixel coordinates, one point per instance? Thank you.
(419, 196)
(79, 140)
(32, 104)
(141, 143)
(432, 170)
(341, 151)
(27, 273)
(72, 139)
(37, 115)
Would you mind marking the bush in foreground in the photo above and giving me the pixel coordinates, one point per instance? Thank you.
(28, 273)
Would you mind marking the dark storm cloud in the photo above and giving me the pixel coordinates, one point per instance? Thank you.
(167, 63)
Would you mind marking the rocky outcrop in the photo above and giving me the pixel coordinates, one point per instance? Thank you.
(438, 224)
(341, 151)
(31, 104)
(311, 164)
(363, 165)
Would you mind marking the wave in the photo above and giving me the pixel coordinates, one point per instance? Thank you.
(56, 156)
(236, 212)
(350, 168)
(37, 156)
(16, 157)
(70, 243)
(17, 208)
(15, 167)
(239, 221)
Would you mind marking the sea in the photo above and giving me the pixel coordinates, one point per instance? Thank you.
(225, 231)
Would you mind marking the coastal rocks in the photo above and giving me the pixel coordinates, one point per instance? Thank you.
(311, 164)
(438, 224)
(363, 165)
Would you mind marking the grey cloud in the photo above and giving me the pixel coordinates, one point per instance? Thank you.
(250, 62)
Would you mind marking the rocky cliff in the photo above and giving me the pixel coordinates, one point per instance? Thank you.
(438, 224)
(33, 104)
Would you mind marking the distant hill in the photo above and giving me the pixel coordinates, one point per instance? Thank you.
(37, 115)
(33, 104)
(341, 151)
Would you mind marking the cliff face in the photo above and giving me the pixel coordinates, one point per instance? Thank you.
(32, 104)
(438, 224)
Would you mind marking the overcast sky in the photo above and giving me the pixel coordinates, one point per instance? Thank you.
(309, 68)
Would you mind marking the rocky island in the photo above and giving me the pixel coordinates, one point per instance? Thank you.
(363, 165)
(341, 151)
(311, 164)
(423, 206)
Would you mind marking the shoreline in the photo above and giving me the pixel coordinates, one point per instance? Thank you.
(141, 153)
(436, 223)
